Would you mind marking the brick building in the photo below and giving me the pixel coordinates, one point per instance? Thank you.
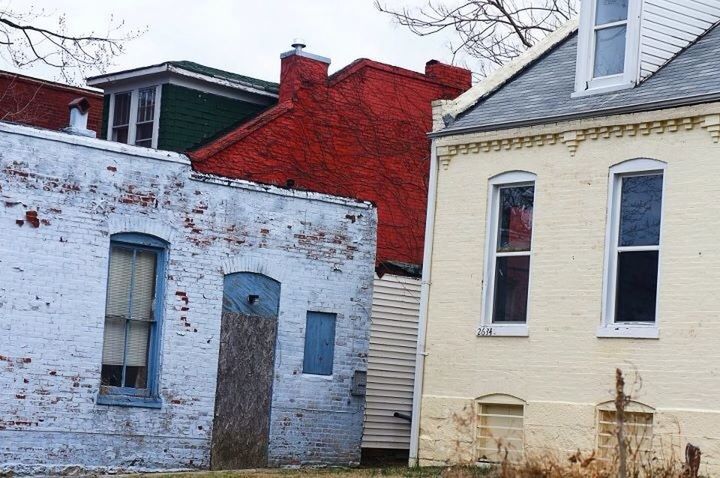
(571, 239)
(360, 132)
(142, 284)
(41, 103)
(357, 133)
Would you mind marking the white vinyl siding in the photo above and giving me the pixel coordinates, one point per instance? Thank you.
(391, 362)
(668, 26)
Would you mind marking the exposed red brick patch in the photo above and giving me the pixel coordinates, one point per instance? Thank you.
(32, 218)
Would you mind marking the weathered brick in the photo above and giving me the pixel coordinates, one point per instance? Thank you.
(52, 302)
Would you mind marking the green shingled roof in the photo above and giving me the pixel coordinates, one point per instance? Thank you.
(226, 75)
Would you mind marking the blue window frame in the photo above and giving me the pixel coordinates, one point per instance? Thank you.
(133, 319)
(319, 343)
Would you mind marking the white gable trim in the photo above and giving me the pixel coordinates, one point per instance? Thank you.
(502, 75)
(167, 73)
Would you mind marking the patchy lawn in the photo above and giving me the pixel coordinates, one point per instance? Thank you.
(390, 472)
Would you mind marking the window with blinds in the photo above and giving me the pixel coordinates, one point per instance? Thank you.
(130, 321)
(500, 432)
(638, 433)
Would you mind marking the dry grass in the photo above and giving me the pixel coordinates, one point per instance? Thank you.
(388, 472)
(578, 466)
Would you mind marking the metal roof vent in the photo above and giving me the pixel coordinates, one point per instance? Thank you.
(298, 44)
(79, 109)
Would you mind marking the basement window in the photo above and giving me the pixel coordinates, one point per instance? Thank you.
(134, 116)
(132, 321)
(500, 431)
(633, 249)
(637, 431)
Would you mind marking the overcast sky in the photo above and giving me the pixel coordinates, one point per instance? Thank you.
(246, 36)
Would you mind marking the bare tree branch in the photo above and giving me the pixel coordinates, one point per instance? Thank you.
(491, 31)
(25, 40)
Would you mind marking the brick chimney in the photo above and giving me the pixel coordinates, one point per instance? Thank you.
(449, 75)
(300, 69)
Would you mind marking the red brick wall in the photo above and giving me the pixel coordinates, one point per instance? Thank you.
(44, 104)
(360, 134)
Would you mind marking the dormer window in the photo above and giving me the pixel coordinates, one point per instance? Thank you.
(133, 116)
(607, 46)
(610, 37)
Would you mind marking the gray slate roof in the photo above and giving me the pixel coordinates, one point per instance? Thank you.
(541, 93)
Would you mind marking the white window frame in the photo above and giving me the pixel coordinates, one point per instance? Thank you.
(609, 328)
(585, 82)
(487, 328)
(132, 127)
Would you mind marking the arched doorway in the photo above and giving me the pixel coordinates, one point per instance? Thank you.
(248, 335)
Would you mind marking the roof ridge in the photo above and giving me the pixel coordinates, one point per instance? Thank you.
(358, 63)
(199, 68)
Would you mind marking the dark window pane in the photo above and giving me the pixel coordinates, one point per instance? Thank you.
(121, 113)
(120, 134)
(637, 275)
(609, 51)
(516, 216)
(610, 11)
(511, 289)
(111, 375)
(143, 134)
(136, 377)
(640, 210)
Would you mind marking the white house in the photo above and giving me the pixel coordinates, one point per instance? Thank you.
(156, 318)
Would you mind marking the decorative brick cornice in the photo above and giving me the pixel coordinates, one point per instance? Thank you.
(712, 124)
(573, 139)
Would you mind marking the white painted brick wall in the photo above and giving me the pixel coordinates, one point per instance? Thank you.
(52, 299)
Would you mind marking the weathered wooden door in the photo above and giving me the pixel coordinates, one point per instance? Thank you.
(248, 336)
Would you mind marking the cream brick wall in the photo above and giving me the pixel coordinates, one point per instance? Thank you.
(563, 370)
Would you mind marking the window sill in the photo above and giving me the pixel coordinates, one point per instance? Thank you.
(317, 376)
(625, 331)
(598, 90)
(126, 401)
(503, 330)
